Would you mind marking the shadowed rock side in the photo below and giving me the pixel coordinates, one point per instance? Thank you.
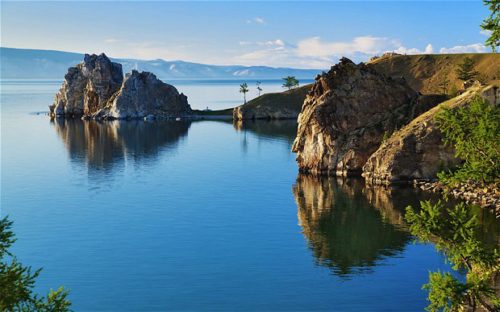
(102, 145)
(345, 232)
(95, 89)
(417, 151)
(144, 95)
(87, 87)
(282, 105)
(345, 116)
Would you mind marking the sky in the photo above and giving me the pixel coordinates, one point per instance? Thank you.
(279, 34)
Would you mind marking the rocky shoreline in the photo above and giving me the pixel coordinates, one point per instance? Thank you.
(473, 193)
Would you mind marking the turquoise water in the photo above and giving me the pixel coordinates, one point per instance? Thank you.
(203, 215)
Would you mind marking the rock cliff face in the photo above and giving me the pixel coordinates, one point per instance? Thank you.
(87, 87)
(143, 95)
(417, 151)
(284, 105)
(95, 89)
(345, 116)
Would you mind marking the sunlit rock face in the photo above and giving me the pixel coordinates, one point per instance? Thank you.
(417, 150)
(344, 230)
(103, 145)
(95, 89)
(142, 95)
(87, 87)
(345, 115)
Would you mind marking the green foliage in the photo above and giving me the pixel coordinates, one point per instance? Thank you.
(446, 293)
(454, 232)
(465, 70)
(474, 132)
(290, 82)
(17, 281)
(492, 24)
(244, 90)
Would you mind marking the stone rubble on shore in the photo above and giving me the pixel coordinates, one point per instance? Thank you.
(486, 196)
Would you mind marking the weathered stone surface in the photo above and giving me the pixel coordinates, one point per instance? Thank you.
(345, 116)
(143, 95)
(417, 151)
(87, 87)
(283, 105)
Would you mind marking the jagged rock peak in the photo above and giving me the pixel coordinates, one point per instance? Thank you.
(87, 86)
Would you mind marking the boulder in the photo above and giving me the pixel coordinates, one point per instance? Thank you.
(417, 150)
(87, 87)
(144, 95)
(346, 115)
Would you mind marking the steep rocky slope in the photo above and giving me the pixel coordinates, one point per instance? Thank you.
(417, 151)
(425, 73)
(345, 116)
(283, 105)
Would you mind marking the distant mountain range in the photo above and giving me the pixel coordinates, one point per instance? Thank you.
(48, 64)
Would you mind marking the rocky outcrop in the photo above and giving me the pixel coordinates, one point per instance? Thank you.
(417, 151)
(142, 95)
(95, 89)
(87, 87)
(284, 105)
(345, 116)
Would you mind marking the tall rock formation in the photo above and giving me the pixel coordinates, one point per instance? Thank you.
(417, 151)
(87, 87)
(144, 95)
(345, 116)
(95, 89)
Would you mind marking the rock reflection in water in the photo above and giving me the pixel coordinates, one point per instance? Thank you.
(102, 144)
(345, 231)
(269, 129)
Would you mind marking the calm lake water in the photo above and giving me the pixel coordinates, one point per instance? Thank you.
(205, 215)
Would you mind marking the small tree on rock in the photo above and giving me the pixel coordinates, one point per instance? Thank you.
(465, 70)
(244, 90)
(259, 89)
(290, 82)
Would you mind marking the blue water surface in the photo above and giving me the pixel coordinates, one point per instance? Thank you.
(195, 216)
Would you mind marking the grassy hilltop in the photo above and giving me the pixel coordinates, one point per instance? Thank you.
(425, 73)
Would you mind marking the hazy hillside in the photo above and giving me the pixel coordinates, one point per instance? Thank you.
(425, 72)
(45, 64)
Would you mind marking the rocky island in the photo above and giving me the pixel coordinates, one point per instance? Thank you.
(96, 89)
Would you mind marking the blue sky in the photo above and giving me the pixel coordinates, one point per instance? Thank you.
(293, 34)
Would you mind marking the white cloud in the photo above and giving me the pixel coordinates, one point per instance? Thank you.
(484, 32)
(429, 49)
(269, 43)
(471, 48)
(367, 45)
(256, 20)
(111, 40)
